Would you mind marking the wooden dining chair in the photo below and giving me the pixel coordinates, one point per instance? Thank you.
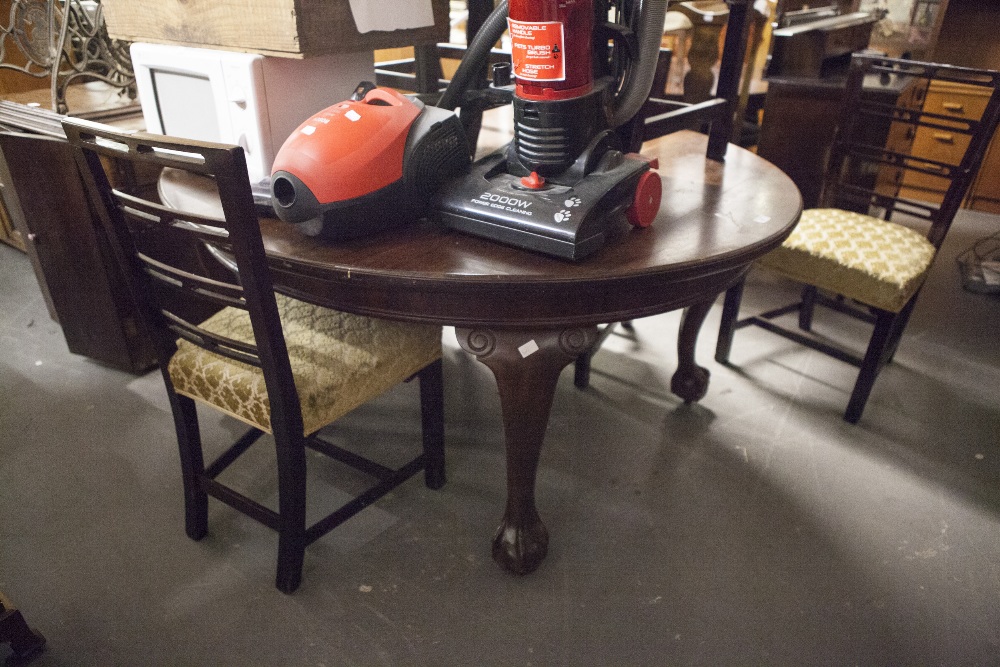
(282, 366)
(854, 253)
(713, 112)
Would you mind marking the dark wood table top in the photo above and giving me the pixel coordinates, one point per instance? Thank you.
(714, 220)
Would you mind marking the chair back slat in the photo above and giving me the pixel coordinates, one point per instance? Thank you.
(885, 157)
(158, 284)
(872, 179)
(210, 228)
(868, 198)
(222, 293)
(227, 347)
(875, 110)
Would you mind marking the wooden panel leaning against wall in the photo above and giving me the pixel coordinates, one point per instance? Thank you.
(84, 293)
(8, 234)
(12, 81)
(73, 262)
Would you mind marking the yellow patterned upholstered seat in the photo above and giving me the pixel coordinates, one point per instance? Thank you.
(878, 263)
(339, 361)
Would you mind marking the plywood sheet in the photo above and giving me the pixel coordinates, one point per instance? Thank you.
(293, 28)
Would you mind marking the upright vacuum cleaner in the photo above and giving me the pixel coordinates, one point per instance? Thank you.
(566, 183)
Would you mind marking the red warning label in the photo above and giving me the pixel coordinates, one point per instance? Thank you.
(537, 50)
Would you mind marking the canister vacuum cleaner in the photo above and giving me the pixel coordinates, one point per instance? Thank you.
(564, 186)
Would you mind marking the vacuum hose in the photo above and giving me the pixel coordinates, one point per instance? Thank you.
(476, 54)
(639, 77)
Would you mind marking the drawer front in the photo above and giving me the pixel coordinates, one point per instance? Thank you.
(943, 145)
(955, 102)
(939, 145)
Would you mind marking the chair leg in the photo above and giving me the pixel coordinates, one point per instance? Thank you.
(807, 307)
(727, 326)
(291, 458)
(581, 370)
(192, 464)
(875, 357)
(897, 334)
(291, 557)
(24, 641)
(432, 424)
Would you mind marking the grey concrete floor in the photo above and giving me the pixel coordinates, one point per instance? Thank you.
(754, 528)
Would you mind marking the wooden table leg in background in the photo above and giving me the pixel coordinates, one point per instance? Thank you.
(690, 381)
(526, 365)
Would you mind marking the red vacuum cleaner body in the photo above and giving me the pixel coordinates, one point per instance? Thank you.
(551, 48)
(365, 164)
(557, 111)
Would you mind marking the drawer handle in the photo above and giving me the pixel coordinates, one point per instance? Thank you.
(957, 107)
(945, 137)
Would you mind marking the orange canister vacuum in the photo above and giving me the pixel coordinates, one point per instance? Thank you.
(366, 164)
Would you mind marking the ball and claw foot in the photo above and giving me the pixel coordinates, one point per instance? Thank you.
(690, 383)
(520, 549)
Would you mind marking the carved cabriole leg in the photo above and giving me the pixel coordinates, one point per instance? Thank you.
(526, 365)
(690, 381)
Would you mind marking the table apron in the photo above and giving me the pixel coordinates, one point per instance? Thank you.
(512, 304)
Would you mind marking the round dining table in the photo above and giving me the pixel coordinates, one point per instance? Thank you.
(526, 315)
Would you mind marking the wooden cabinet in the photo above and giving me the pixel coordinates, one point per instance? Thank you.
(986, 190)
(939, 144)
(969, 38)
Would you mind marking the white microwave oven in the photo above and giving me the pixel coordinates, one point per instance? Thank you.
(247, 99)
